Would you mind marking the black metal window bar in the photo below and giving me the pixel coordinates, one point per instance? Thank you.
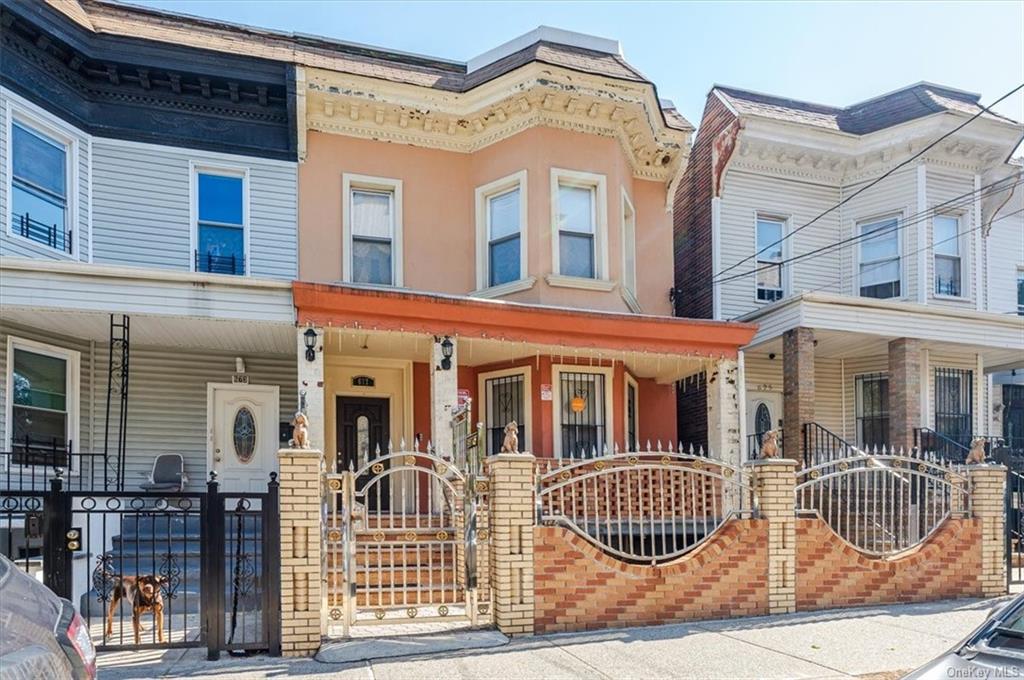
(51, 235)
(220, 264)
(632, 418)
(872, 410)
(117, 384)
(506, 397)
(583, 427)
(1013, 419)
(954, 409)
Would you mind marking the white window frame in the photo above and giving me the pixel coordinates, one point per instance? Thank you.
(224, 170)
(629, 287)
(630, 382)
(1016, 281)
(599, 185)
(354, 182)
(527, 423)
(960, 243)
(31, 116)
(556, 402)
(784, 220)
(483, 194)
(874, 219)
(73, 360)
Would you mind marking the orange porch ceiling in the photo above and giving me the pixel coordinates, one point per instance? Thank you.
(356, 307)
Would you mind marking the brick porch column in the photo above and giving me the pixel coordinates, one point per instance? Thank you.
(311, 386)
(774, 480)
(798, 388)
(987, 484)
(512, 515)
(301, 577)
(723, 384)
(904, 391)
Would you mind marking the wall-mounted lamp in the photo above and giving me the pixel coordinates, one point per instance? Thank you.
(239, 365)
(309, 337)
(447, 349)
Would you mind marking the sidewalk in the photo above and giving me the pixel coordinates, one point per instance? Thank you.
(875, 642)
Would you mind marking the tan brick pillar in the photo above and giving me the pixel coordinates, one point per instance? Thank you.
(301, 569)
(512, 514)
(904, 391)
(798, 388)
(774, 481)
(987, 484)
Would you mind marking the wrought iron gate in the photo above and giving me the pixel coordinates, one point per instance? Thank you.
(404, 541)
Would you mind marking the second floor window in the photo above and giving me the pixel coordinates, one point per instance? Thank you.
(879, 266)
(769, 259)
(1020, 292)
(504, 239)
(948, 264)
(372, 229)
(220, 226)
(39, 188)
(577, 227)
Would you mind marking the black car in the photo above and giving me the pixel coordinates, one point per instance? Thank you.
(41, 635)
(994, 650)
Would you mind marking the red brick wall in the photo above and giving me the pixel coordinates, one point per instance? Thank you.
(830, 573)
(578, 587)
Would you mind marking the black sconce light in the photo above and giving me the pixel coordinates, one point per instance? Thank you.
(447, 349)
(310, 339)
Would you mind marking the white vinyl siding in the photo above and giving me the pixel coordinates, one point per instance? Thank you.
(765, 375)
(1004, 252)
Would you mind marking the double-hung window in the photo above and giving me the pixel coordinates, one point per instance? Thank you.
(948, 263)
(879, 267)
(769, 259)
(504, 240)
(41, 386)
(372, 225)
(220, 223)
(39, 188)
(577, 228)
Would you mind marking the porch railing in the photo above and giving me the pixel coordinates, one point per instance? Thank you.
(30, 465)
(953, 448)
(822, 445)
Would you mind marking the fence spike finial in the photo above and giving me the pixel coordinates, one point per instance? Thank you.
(593, 451)
(604, 449)
(648, 445)
(902, 451)
(351, 466)
(430, 447)
(391, 448)
(670, 449)
(691, 448)
(615, 448)
(376, 450)
(416, 444)
(700, 450)
(659, 446)
(403, 443)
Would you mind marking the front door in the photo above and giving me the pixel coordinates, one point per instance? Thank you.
(363, 430)
(764, 413)
(243, 435)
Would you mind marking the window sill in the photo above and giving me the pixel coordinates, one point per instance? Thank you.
(950, 298)
(559, 281)
(630, 299)
(505, 288)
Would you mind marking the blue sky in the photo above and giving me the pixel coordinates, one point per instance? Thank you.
(830, 53)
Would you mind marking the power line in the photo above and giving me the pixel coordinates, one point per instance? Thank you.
(910, 221)
(930, 146)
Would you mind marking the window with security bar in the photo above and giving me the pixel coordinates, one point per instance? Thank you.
(632, 417)
(582, 406)
(954, 412)
(504, 402)
(39, 188)
(872, 410)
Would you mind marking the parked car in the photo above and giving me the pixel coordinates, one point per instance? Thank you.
(994, 650)
(41, 635)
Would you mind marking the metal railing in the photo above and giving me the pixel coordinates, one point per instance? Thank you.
(220, 264)
(31, 464)
(953, 448)
(644, 507)
(47, 234)
(822, 445)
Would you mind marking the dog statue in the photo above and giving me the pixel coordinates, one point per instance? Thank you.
(145, 594)
(770, 444)
(976, 456)
(300, 431)
(511, 443)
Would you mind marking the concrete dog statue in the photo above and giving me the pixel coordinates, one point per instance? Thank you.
(976, 456)
(511, 442)
(770, 444)
(145, 595)
(300, 431)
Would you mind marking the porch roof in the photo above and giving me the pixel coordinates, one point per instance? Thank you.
(363, 307)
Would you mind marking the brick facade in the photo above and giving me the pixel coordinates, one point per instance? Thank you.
(988, 484)
(301, 569)
(511, 518)
(578, 587)
(774, 481)
(904, 391)
(798, 387)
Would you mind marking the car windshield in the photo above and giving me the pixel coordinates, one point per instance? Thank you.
(1007, 635)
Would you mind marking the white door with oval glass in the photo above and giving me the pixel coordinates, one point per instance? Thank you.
(243, 435)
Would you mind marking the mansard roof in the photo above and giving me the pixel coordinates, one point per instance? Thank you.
(878, 113)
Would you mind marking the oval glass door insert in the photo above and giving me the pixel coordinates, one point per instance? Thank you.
(244, 435)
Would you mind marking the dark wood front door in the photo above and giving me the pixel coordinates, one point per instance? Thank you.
(363, 429)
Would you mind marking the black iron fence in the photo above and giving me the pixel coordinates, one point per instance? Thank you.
(821, 445)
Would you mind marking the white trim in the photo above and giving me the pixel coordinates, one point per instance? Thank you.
(630, 381)
(73, 359)
(923, 287)
(979, 259)
(741, 387)
(505, 288)
(980, 380)
(351, 181)
(482, 196)
(900, 216)
(42, 122)
(196, 168)
(599, 185)
(481, 413)
(556, 402)
(583, 283)
(716, 257)
(629, 287)
(137, 273)
(88, 215)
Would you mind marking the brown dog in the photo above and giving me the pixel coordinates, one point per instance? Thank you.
(511, 442)
(976, 456)
(770, 444)
(145, 595)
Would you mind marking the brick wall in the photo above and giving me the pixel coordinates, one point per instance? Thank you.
(798, 387)
(692, 410)
(301, 602)
(830, 573)
(578, 587)
(904, 391)
(692, 217)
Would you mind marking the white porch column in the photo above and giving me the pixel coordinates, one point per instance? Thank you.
(444, 396)
(311, 385)
(724, 412)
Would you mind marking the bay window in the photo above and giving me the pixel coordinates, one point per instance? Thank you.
(879, 266)
(579, 229)
(501, 234)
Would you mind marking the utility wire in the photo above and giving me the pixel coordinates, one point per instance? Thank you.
(930, 146)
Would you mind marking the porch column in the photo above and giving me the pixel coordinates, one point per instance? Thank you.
(904, 391)
(723, 383)
(444, 395)
(987, 485)
(311, 385)
(797, 388)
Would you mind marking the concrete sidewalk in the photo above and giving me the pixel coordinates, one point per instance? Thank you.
(877, 642)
